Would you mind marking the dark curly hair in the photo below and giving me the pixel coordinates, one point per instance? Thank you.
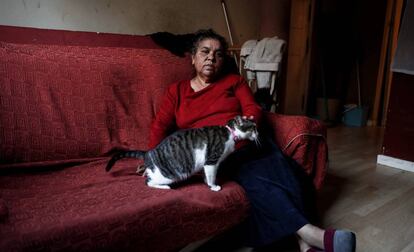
(203, 34)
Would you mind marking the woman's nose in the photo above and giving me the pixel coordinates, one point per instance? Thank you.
(211, 56)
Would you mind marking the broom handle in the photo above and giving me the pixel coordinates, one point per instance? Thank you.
(358, 83)
(223, 4)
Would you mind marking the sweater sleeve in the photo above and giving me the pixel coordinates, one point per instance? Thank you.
(164, 121)
(245, 96)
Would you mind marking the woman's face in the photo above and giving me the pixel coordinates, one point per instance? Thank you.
(208, 59)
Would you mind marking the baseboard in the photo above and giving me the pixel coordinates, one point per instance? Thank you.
(396, 163)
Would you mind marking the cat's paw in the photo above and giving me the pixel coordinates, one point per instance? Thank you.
(159, 186)
(141, 170)
(215, 188)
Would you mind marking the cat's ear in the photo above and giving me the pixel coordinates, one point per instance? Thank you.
(239, 120)
(234, 121)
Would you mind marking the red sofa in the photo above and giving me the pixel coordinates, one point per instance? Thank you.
(68, 100)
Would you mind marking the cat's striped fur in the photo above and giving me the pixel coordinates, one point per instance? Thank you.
(187, 152)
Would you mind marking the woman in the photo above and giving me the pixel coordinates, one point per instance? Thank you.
(213, 97)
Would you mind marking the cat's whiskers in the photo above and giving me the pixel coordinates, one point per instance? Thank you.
(257, 142)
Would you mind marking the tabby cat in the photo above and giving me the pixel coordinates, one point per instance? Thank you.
(186, 152)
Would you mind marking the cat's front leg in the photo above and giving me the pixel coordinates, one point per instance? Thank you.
(210, 172)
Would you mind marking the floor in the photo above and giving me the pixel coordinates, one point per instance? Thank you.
(375, 201)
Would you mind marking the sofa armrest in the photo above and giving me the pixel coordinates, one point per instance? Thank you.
(304, 140)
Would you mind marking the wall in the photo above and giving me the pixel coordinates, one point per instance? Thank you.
(134, 16)
(274, 18)
(398, 139)
(249, 19)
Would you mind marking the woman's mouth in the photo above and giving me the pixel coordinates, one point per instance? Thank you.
(209, 68)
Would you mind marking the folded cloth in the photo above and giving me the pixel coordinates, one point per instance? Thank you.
(247, 47)
(266, 55)
(263, 60)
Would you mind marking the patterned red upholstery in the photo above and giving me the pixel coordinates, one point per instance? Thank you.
(82, 208)
(304, 140)
(67, 101)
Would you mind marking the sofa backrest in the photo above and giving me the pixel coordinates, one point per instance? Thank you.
(63, 102)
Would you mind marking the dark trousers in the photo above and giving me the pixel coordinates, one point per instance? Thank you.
(279, 192)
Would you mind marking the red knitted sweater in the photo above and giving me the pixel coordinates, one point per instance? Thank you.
(182, 108)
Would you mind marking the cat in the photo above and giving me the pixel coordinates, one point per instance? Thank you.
(186, 152)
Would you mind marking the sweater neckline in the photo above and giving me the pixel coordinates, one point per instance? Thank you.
(192, 91)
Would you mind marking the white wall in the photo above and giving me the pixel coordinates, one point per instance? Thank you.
(134, 16)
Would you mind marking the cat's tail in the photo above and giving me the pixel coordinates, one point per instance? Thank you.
(124, 154)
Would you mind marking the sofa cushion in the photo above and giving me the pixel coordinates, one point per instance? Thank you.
(70, 102)
(83, 208)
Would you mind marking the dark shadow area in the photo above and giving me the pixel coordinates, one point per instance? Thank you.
(326, 197)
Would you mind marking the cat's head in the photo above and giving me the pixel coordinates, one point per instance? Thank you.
(244, 128)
